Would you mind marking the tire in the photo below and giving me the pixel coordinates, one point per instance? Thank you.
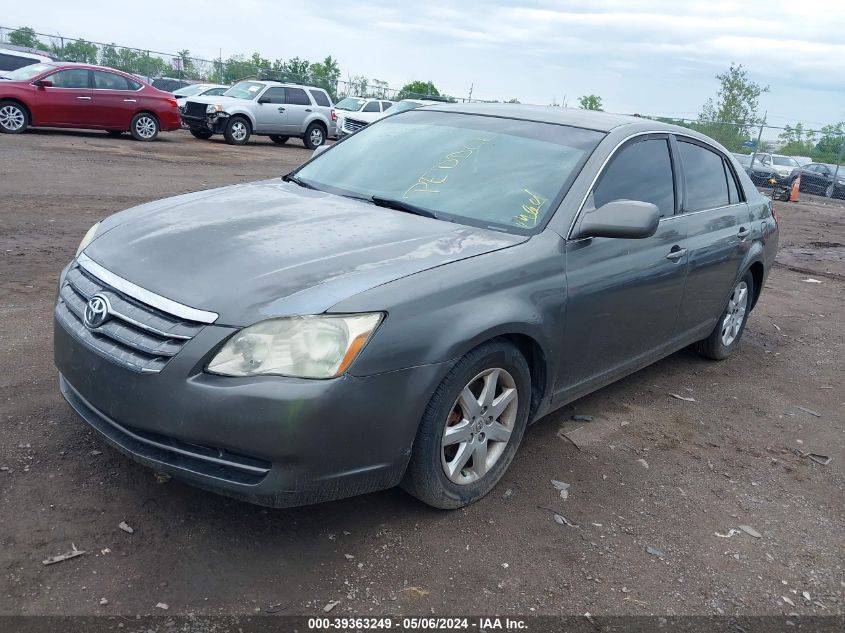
(279, 140)
(144, 127)
(114, 133)
(202, 134)
(828, 192)
(237, 131)
(315, 136)
(427, 477)
(724, 338)
(14, 119)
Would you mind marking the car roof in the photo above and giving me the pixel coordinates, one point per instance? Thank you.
(589, 119)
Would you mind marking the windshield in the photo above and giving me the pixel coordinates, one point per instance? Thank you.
(784, 161)
(244, 90)
(482, 171)
(402, 106)
(350, 104)
(743, 159)
(190, 91)
(28, 72)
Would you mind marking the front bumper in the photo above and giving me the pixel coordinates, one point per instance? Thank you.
(273, 441)
(215, 123)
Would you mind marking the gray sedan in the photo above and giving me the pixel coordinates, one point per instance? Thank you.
(402, 306)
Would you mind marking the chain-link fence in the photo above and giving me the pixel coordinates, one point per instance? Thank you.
(151, 65)
(774, 156)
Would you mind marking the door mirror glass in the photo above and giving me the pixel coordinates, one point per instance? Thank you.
(628, 219)
(265, 99)
(44, 83)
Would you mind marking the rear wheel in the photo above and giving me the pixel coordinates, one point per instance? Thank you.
(14, 118)
(201, 134)
(725, 336)
(279, 140)
(237, 131)
(314, 136)
(828, 192)
(471, 428)
(144, 127)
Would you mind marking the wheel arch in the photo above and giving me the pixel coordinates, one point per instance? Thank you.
(757, 271)
(319, 122)
(22, 104)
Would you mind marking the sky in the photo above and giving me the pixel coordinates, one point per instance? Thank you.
(645, 56)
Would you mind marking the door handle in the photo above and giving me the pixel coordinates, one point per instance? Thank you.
(743, 233)
(281, 109)
(85, 98)
(130, 101)
(676, 253)
(308, 110)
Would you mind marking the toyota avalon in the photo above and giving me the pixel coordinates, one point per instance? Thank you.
(399, 308)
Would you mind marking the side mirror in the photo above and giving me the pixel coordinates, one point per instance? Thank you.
(320, 150)
(264, 100)
(628, 219)
(44, 83)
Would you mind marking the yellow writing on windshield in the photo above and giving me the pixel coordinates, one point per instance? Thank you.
(530, 211)
(427, 183)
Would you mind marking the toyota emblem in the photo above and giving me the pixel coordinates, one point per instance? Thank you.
(97, 311)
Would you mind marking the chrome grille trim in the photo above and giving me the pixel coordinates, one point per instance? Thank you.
(143, 295)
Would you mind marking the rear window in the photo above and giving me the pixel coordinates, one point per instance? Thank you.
(13, 62)
(320, 97)
(704, 172)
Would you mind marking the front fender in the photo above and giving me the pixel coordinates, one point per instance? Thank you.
(230, 112)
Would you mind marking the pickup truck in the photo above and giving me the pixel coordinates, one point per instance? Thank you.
(268, 108)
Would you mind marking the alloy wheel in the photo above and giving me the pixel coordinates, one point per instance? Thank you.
(145, 127)
(479, 426)
(316, 137)
(735, 315)
(239, 130)
(829, 191)
(12, 118)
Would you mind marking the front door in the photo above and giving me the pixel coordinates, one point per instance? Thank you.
(624, 294)
(271, 115)
(67, 101)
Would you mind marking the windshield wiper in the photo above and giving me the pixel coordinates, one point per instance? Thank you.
(297, 181)
(398, 205)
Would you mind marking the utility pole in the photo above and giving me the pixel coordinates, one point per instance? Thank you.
(470, 92)
(838, 162)
(759, 134)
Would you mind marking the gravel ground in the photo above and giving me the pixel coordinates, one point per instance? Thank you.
(655, 480)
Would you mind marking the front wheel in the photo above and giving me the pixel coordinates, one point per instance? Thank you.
(14, 119)
(279, 140)
(471, 428)
(144, 127)
(237, 131)
(314, 136)
(201, 134)
(725, 336)
(828, 192)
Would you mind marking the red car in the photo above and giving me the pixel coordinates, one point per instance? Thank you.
(82, 96)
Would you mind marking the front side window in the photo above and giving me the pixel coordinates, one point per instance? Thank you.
(274, 95)
(641, 171)
(244, 90)
(372, 106)
(482, 171)
(704, 174)
(72, 78)
(350, 104)
(297, 96)
(110, 81)
(214, 92)
(785, 161)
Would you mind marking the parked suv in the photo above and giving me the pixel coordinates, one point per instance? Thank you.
(354, 113)
(270, 108)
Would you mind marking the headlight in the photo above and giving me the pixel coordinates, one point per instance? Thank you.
(89, 237)
(320, 346)
(212, 108)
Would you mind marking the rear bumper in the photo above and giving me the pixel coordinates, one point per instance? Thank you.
(273, 441)
(170, 120)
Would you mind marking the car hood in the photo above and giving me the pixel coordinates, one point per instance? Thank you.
(267, 249)
(219, 99)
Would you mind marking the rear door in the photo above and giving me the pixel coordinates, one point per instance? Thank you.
(719, 232)
(299, 108)
(68, 101)
(624, 294)
(271, 115)
(114, 100)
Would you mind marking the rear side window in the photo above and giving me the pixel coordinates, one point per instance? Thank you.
(385, 105)
(13, 62)
(110, 81)
(641, 171)
(320, 97)
(372, 106)
(297, 96)
(74, 78)
(704, 173)
(733, 190)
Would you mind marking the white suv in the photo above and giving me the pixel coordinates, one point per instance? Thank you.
(353, 113)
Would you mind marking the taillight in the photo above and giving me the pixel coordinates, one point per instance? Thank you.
(172, 103)
(334, 115)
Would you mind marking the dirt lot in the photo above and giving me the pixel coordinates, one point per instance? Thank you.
(652, 471)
